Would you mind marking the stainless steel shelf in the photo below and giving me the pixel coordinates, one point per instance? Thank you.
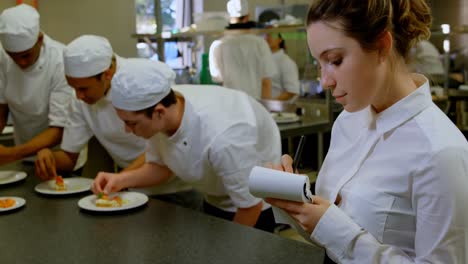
(192, 34)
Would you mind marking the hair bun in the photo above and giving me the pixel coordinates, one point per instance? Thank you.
(411, 23)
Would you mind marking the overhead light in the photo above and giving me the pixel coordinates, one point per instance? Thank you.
(166, 34)
(445, 28)
(447, 45)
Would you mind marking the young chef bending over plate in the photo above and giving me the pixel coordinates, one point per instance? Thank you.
(90, 65)
(393, 187)
(209, 136)
(33, 88)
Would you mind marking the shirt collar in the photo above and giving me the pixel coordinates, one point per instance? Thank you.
(107, 97)
(404, 109)
(41, 60)
(280, 51)
(186, 125)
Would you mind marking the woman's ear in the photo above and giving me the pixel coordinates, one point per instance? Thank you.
(384, 45)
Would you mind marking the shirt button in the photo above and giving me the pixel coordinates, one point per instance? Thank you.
(185, 143)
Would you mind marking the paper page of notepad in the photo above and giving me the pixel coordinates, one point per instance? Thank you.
(269, 183)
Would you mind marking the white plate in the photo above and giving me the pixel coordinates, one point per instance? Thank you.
(73, 185)
(282, 118)
(11, 176)
(130, 200)
(19, 202)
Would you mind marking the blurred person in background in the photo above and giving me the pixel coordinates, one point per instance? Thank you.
(285, 83)
(242, 61)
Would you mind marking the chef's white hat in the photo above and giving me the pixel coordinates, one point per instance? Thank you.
(19, 28)
(87, 56)
(238, 8)
(140, 83)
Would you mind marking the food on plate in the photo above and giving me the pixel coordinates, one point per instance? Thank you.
(60, 184)
(103, 200)
(285, 117)
(7, 203)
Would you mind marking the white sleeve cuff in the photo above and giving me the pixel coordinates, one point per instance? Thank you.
(336, 231)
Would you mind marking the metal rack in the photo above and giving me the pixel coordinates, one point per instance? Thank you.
(192, 35)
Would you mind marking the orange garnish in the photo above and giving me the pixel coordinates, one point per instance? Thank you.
(5, 203)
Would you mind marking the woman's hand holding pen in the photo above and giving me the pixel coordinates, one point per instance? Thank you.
(307, 215)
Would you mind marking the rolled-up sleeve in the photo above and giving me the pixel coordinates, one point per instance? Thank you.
(232, 156)
(439, 198)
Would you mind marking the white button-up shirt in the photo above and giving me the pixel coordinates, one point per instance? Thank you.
(101, 120)
(402, 175)
(222, 136)
(287, 77)
(241, 62)
(37, 97)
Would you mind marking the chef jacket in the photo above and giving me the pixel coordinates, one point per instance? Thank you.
(223, 134)
(425, 59)
(241, 62)
(38, 97)
(101, 120)
(286, 78)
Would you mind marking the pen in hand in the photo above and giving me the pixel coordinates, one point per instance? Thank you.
(297, 155)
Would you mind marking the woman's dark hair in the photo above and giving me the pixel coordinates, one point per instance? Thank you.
(167, 101)
(365, 20)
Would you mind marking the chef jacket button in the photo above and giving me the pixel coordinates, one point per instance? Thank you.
(185, 143)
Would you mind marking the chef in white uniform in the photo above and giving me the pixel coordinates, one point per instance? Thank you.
(243, 61)
(424, 58)
(33, 88)
(90, 64)
(209, 136)
(285, 83)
